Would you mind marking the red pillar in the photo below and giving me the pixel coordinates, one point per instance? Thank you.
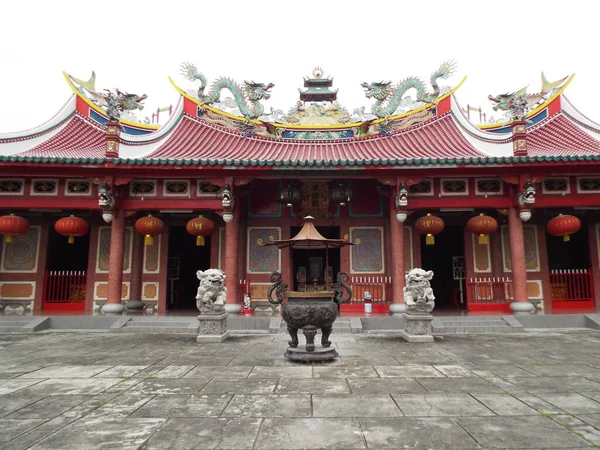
(137, 266)
(231, 263)
(397, 241)
(521, 302)
(113, 303)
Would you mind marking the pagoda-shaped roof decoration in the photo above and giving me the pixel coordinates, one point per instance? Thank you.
(309, 238)
(317, 88)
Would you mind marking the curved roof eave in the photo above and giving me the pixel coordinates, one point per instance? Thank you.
(159, 133)
(578, 116)
(491, 144)
(63, 114)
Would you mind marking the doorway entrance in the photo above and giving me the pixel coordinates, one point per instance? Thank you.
(449, 248)
(309, 267)
(185, 259)
(66, 276)
(570, 270)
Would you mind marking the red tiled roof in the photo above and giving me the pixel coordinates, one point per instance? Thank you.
(78, 139)
(559, 136)
(194, 139)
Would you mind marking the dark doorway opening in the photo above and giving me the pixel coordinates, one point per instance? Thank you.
(571, 278)
(66, 272)
(185, 259)
(67, 257)
(313, 262)
(449, 244)
(574, 254)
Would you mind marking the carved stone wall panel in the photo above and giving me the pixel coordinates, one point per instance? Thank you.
(263, 259)
(21, 256)
(103, 254)
(367, 255)
(532, 256)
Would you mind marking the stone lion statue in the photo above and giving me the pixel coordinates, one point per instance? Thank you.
(418, 295)
(212, 293)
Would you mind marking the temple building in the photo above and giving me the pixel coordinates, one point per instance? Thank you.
(100, 212)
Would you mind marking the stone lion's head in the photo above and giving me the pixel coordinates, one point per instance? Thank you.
(211, 279)
(419, 277)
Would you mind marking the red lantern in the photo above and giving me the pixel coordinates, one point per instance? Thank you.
(564, 225)
(200, 227)
(430, 226)
(149, 226)
(482, 225)
(12, 225)
(71, 227)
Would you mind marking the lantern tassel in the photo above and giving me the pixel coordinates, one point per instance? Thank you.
(71, 240)
(483, 239)
(199, 241)
(566, 238)
(148, 240)
(430, 239)
(9, 239)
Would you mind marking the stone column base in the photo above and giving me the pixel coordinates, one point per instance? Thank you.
(113, 309)
(135, 307)
(213, 327)
(233, 308)
(397, 308)
(522, 308)
(417, 327)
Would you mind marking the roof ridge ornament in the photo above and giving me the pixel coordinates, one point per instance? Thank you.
(518, 104)
(114, 103)
(388, 98)
(250, 91)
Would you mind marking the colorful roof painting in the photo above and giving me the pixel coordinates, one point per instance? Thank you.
(434, 132)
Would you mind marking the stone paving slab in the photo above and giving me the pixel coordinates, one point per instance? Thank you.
(89, 391)
(94, 434)
(519, 432)
(288, 433)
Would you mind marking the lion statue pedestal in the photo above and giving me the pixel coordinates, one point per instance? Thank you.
(420, 301)
(210, 300)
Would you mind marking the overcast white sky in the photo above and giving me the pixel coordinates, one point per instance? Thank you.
(136, 45)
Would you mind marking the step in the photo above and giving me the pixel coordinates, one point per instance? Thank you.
(163, 329)
(479, 323)
(11, 328)
(156, 324)
(476, 330)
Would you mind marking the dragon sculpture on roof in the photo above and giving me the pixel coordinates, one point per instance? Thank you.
(114, 102)
(519, 103)
(388, 98)
(254, 92)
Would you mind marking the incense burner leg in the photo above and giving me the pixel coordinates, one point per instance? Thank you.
(325, 342)
(294, 335)
(309, 332)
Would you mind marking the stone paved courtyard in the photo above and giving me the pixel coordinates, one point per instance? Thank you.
(82, 391)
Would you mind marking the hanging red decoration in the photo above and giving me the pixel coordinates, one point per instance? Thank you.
(72, 227)
(149, 226)
(482, 225)
(429, 226)
(12, 225)
(200, 227)
(564, 225)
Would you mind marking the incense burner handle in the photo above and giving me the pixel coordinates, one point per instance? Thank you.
(279, 287)
(340, 287)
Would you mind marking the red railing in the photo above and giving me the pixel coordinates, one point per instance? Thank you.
(489, 294)
(571, 288)
(64, 290)
(380, 288)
